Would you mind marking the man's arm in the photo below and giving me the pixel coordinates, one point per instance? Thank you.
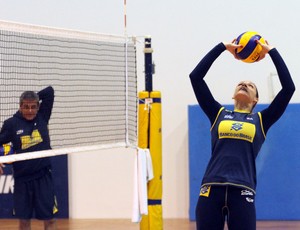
(47, 99)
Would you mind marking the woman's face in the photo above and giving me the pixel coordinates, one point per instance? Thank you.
(246, 91)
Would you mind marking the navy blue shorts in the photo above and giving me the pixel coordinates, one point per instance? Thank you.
(35, 198)
(216, 204)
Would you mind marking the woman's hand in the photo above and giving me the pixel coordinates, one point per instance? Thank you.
(231, 47)
(265, 49)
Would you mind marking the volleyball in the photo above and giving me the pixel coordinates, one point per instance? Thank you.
(250, 51)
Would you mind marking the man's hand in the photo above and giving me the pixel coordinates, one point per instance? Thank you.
(1, 168)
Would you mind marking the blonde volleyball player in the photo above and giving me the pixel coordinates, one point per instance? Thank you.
(27, 130)
(228, 186)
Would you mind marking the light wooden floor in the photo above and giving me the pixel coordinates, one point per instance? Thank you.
(112, 224)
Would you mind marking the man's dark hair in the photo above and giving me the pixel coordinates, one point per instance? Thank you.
(29, 95)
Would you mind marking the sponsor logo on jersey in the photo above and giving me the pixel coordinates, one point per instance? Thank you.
(236, 130)
(246, 193)
(250, 200)
(228, 116)
(29, 141)
(236, 126)
(20, 131)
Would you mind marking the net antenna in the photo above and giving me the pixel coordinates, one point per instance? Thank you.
(125, 18)
(126, 67)
(94, 77)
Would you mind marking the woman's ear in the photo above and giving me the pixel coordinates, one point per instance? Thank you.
(254, 102)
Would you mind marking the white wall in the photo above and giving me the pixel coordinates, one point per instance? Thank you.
(101, 184)
(182, 32)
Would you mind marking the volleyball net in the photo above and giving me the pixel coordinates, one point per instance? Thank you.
(95, 81)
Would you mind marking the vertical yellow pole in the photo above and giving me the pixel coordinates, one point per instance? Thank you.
(143, 120)
(154, 220)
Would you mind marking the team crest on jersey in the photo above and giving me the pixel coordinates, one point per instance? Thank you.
(205, 190)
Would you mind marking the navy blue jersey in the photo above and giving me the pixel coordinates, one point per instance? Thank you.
(237, 136)
(30, 135)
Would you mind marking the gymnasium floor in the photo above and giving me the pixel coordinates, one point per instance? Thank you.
(112, 224)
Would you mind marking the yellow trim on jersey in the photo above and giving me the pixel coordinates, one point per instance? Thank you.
(261, 125)
(55, 209)
(216, 118)
(241, 111)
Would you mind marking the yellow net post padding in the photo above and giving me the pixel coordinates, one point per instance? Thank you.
(152, 115)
